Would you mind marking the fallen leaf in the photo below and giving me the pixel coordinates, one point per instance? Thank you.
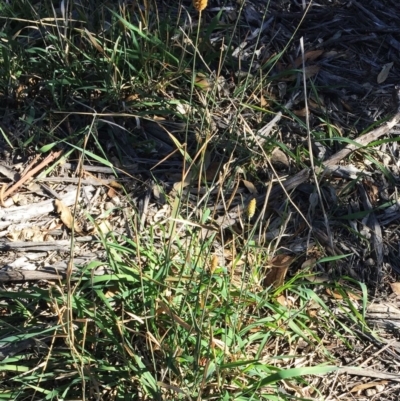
(277, 270)
(111, 193)
(202, 81)
(334, 294)
(115, 184)
(395, 288)
(263, 102)
(250, 187)
(309, 263)
(66, 215)
(278, 156)
(104, 227)
(317, 106)
(364, 386)
(96, 44)
(178, 186)
(318, 278)
(309, 72)
(281, 299)
(382, 76)
(308, 56)
(346, 105)
(301, 113)
(212, 171)
(132, 97)
(312, 312)
(353, 296)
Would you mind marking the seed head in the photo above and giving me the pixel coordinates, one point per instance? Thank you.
(251, 208)
(200, 5)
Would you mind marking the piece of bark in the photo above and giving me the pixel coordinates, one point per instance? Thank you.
(75, 180)
(17, 214)
(29, 275)
(58, 245)
(368, 373)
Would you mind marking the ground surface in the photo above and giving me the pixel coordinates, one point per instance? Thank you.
(200, 210)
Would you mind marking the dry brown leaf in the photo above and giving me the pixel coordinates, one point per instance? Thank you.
(308, 56)
(316, 106)
(346, 105)
(309, 263)
(353, 296)
(111, 193)
(212, 170)
(382, 76)
(178, 186)
(250, 187)
(276, 273)
(203, 81)
(301, 113)
(395, 288)
(281, 299)
(282, 261)
(164, 308)
(318, 278)
(115, 184)
(66, 215)
(263, 102)
(132, 97)
(334, 294)
(309, 72)
(312, 312)
(104, 227)
(278, 156)
(95, 44)
(364, 386)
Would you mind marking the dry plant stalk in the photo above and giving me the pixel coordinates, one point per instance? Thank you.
(200, 5)
(214, 263)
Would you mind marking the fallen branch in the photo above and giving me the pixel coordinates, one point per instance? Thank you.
(331, 164)
(29, 275)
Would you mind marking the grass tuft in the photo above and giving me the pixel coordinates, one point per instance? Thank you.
(173, 303)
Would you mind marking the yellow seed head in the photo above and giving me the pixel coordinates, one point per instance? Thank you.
(251, 208)
(200, 5)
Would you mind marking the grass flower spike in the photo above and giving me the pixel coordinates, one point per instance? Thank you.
(200, 5)
(251, 208)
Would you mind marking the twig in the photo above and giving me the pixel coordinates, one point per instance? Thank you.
(330, 164)
(31, 173)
